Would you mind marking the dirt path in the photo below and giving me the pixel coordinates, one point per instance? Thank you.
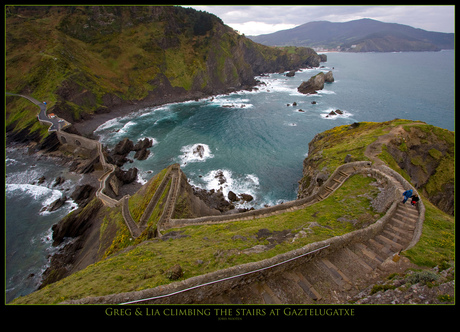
(374, 149)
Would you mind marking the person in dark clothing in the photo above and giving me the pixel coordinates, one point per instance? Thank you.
(407, 194)
(414, 199)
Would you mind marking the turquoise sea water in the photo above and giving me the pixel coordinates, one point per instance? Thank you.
(254, 138)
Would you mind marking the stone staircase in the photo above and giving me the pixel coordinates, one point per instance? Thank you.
(136, 229)
(325, 272)
(336, 277)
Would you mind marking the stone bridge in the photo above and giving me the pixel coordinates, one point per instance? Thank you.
(77, 141)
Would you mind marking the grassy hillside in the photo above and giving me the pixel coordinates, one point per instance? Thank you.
(88, 59)
(207, 248)
(144, 263)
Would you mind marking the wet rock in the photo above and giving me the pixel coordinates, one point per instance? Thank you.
(126, 176)
(220, 175)
(232, 197)
(58, 181)
(142, 154)
(329, 77)
(124, 147)
(56, 204)
(246, 197)
(199, 151)
(312, 85)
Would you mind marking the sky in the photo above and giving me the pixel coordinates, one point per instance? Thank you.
(256, 20)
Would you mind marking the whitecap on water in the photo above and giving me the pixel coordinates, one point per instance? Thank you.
(108, 124)
(226, 102)
(197, 152)
(329, 116)
(325, 92)
(43, 194)
(226, 180)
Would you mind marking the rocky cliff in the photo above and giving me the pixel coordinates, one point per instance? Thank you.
(422, 153)
(88, 60)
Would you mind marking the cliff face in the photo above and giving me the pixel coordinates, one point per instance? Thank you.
(426, 154)
(86, 60)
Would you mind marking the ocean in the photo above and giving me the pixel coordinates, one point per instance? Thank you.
(257, 139)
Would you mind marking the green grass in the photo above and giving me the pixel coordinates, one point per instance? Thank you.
(144, 266)
(437, 243)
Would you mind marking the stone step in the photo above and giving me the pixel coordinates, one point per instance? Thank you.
(407, 212)
(337, 276)
(408, 207)
(366, 254)
(285, 287)
(384, 250)
(403, 241)
(268, 295)
(306, 286)
(342, 173)
(403, 233)
(388, 242)
(403, 224)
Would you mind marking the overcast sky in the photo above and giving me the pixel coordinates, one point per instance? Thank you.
(256, 20)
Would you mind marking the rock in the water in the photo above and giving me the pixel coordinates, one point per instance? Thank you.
(329, 78)
(142, 144)
(58, 181)
(313, 84)
(124, 147)
(221, 177)
(126, 176)
(291, 73)
(56, 204)
(246, 197)
(142, 154)
(199, 151)
(232, 197)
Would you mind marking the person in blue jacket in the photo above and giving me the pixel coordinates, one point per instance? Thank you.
(407, 194)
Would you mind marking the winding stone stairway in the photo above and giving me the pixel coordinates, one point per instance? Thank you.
(325, 272)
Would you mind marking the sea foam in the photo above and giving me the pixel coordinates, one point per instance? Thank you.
(189, 154)
(43, 194)
(226, 181)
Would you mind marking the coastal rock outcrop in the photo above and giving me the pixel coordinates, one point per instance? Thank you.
(83, 194)
(126, 176)
(315, 83)
(141, 148)
(329, 77)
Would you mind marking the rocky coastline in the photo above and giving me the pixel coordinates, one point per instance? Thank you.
(73, 233)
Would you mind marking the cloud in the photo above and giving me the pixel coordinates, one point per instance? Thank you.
(254, 20)
(259, 28)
